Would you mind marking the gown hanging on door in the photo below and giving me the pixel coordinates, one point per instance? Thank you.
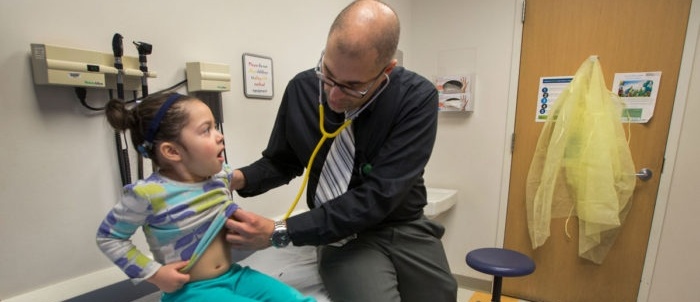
(582, 166)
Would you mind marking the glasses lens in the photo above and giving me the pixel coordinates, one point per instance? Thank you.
(351, 92)
(347, 90)
(325, 80)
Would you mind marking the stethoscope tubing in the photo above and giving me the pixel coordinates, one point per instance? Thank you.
(325, 135)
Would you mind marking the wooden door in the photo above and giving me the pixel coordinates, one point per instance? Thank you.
(628, 36)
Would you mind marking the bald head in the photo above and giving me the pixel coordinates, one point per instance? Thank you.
(365, 28)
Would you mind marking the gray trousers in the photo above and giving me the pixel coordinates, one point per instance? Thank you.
(404, 262)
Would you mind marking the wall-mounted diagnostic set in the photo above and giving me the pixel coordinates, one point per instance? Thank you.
(82, 69)
(57, 65)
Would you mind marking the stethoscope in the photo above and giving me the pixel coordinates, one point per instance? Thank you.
(349, 117)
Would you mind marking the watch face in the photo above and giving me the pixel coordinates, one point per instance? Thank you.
(280, 238)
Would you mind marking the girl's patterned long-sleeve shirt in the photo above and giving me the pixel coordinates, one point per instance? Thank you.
(178, 219)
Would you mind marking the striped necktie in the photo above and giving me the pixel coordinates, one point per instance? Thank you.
(336, 172)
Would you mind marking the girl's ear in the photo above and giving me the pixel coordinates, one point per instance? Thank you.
(170, 152)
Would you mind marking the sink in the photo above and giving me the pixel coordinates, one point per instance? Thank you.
(439, 200)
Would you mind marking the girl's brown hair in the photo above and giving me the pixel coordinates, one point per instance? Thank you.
(139, 118)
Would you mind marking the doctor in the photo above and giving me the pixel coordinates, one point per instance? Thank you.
(374, 242)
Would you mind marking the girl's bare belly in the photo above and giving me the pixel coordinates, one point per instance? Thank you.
(215, 260)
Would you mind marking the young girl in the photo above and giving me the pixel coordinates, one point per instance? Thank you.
(181, 207)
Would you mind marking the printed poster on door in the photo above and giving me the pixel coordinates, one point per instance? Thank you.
(549, 90)
(638, 91)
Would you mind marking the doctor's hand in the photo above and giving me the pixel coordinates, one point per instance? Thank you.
(249, 231)
(237, 181)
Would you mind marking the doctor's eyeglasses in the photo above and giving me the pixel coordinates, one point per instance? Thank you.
(345, 88)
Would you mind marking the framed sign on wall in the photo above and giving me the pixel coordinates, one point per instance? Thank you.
(257, 76)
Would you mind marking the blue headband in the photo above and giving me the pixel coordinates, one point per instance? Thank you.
(155, 124)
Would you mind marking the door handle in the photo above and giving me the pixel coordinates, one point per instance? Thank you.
(644, 174)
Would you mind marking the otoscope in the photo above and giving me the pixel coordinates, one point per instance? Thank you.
(122, 152)
(118, 50)
(144, 49)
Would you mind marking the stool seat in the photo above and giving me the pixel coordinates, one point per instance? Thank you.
(500, 263)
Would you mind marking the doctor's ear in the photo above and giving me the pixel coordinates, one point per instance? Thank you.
(169, 151)
(391, 66)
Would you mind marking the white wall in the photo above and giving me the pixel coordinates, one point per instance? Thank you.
(475, 36)
(59, 175)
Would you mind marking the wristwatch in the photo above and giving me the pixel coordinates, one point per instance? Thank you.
(280, 237)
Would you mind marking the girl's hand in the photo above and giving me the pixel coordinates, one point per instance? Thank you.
(169, 278)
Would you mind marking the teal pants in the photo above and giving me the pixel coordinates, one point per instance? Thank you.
(238, 284)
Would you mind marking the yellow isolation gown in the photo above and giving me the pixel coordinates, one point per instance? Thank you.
(582, 165)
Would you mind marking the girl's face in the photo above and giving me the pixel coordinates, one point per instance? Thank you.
(203, 145)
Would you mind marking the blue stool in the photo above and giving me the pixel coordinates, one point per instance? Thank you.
(500, 263)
